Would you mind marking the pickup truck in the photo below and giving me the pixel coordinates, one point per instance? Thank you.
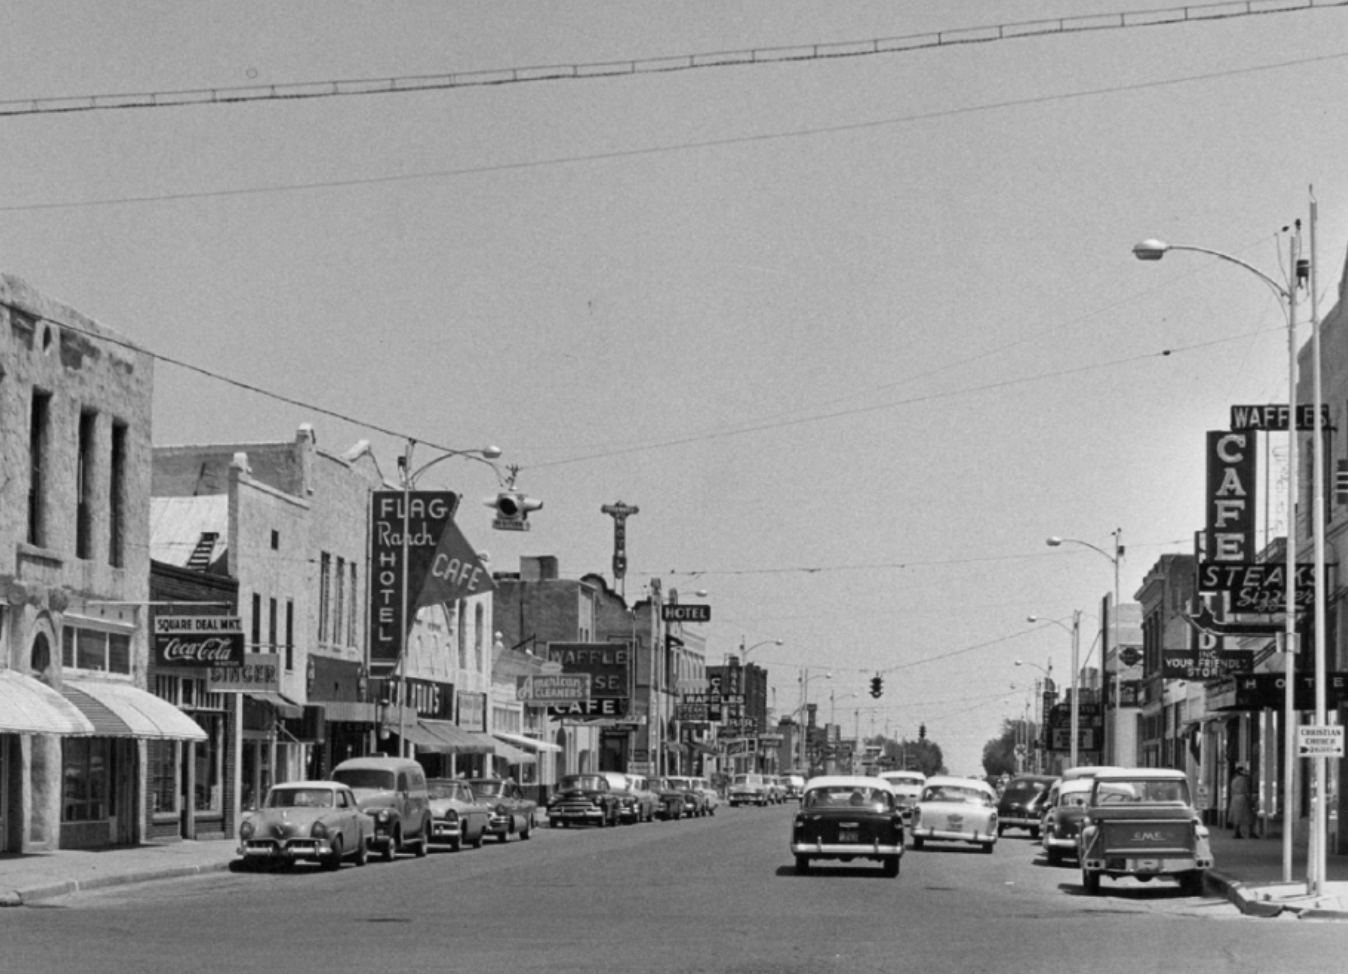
(1142, 823)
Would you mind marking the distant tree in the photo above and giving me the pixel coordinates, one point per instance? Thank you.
(999, 753)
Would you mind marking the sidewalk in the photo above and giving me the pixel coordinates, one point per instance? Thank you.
(30, 878)
(1249, 873)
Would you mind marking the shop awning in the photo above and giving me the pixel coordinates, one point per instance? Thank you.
(283, 706)
(527, 743)
(121, 710)
(452, 739)
(29, 706)
(421, 737)
(513, 755)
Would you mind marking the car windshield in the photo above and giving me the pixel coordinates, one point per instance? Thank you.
(584, 782)
(848, 796)
(375, 779)
(1142, 791)
(955, 793)
(487, 788)
(748, 779)
(449, 789)
(683, 783)
(299, 798)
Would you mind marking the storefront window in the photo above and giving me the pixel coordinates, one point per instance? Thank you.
(210, 755)
(84, 790)
(162, 776)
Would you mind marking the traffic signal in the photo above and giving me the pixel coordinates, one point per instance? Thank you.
(921, 732)
(513, 505)
(877, 686)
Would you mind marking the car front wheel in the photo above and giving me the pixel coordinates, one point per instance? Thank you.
(333, 860)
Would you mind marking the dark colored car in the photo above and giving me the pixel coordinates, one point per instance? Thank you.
(1065, 808)
(585, 799)
(845, 817)
(1021, 804)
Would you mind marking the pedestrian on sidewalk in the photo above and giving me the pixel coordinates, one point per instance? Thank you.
(1240, 812)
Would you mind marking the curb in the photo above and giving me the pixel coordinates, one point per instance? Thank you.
(32, 894)
(1252, 904)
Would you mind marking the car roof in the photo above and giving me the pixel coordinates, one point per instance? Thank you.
(1075, 785)
(975, 783)
(1147, 774)
(1033, 777)
(311, 784)
(377, 762)
(1088, 771)
(845, 781)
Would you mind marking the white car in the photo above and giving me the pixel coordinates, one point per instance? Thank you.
(907, 788)
(956, 810)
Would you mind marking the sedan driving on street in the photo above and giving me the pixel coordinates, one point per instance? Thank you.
(846, 817)
(956, 810)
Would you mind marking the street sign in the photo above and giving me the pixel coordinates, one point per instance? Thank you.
(1320, 741)
(510, 523)
(674, 612)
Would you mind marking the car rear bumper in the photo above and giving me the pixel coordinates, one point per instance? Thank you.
(849, 849)
(945, 835)
(441, 830)
(1066, 843)
(1135, 865)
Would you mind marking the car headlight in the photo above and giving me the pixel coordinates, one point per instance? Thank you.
(385, 814)
(247, 829)
(319, 831)
(500, 810)
(450, 815)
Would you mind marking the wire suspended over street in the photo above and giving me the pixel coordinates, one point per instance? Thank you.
(1187, 14)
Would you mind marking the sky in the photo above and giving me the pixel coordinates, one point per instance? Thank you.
(856, 334)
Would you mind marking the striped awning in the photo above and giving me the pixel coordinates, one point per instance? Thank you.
(122, 710)
(29, 706)
(284, 706)
(528, 743)
(514, 755)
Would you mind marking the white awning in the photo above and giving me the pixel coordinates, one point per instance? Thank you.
(123, 710)
(528, 743)
(513, 755)
(29, 706)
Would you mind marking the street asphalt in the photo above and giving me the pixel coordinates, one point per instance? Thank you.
(1249, 873)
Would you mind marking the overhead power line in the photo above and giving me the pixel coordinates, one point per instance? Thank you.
(1186, 14)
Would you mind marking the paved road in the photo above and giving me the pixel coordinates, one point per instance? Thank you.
(717, 894)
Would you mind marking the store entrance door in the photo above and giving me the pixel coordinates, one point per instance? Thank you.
(4, 791)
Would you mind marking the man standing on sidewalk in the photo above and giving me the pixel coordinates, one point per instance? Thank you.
(1241, 809)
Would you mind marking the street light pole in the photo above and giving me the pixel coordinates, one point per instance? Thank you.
(1155, 250)
(409, 478)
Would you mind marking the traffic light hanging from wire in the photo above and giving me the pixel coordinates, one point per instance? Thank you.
(877, 686)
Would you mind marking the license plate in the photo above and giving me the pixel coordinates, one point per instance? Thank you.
(956, 822)
(1147, 865)
(847, 836)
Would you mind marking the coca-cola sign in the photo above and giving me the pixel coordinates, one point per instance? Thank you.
(196, 641)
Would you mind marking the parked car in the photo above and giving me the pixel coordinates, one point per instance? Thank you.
(585, 799)
(314, 821)
(646, 799)
(1021, 804)
(748, 789)
(1142, 823)
(1064, 808)
(511, 812)
(956, 810)
(458, 817)
(672, 801)
(907, 788)
(776, 789)
(393, 792)
(712, 799)
(795, 786)
(695, 800)
(846, 817)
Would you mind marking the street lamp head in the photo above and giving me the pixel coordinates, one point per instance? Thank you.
(1150, 249)
(1053, 542)
(1029, 619)
(490, 452)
